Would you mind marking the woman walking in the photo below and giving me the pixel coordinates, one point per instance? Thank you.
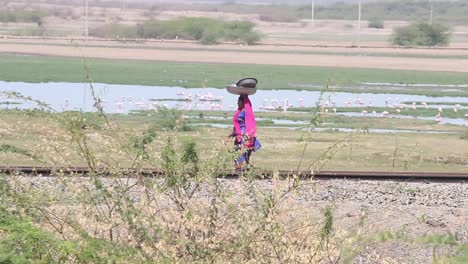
(244, 132)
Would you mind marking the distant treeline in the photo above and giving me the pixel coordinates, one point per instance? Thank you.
(406, 10)
(204, 30)
(22, 16)
(449, 12)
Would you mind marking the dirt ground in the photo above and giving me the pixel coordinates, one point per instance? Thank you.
(280, 38)
(242, 55)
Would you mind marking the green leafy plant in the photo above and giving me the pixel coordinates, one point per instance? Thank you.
(205, 30)
(375, 23)
(421, 34)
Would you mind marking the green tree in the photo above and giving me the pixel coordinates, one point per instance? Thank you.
(422, 34)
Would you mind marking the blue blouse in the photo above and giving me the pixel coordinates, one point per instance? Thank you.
(241, 120)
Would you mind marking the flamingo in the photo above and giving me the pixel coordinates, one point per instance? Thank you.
(119, 107)
(301, 102)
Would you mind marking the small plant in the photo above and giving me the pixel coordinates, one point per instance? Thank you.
(23, 16)
(190, 155)
(139, 144)
(6, 148)
(464, 135)
(327, 229)
(375, 23)
(172, 119)
(114, 31)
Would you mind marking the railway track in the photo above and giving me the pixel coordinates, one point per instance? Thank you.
(261, 174)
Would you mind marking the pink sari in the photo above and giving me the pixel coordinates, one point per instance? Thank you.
(250, 123)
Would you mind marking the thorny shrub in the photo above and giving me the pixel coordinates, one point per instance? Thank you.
(186, 214)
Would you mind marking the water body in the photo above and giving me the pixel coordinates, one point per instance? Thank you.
(275, 121)
(341, 129)
(124, 98)
(442, 121)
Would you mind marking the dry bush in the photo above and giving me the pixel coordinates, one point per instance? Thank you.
(186, 215)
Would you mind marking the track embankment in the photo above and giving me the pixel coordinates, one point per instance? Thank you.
(261, 174)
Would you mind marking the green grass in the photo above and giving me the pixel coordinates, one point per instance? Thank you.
(460, 257)
(435, 240)
(281, 147)
(59, 69)
(21, 241)
(331, 121)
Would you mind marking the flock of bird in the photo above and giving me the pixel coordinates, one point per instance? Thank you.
(210, 101)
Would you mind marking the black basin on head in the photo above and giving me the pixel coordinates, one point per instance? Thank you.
(247, 83)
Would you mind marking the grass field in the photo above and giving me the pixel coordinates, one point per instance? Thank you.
(58, 69)
(42, 136)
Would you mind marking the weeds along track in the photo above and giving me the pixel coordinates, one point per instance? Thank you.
(260, 174)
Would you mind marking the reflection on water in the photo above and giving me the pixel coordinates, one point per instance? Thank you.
(124, 98)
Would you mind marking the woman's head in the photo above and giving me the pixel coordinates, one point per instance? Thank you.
(240, 102)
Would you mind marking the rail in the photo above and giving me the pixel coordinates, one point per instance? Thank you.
(152, 172)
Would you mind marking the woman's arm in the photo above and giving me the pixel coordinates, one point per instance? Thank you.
(233, 134)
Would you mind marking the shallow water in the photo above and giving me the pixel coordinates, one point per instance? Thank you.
(443, 120)
(125, 98)
(341, 129)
